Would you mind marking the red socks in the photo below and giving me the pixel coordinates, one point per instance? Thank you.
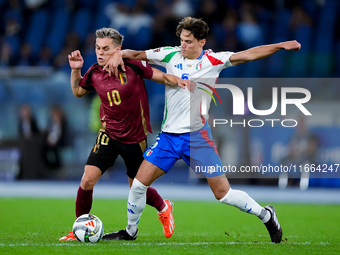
(83, 202)
(154, 199)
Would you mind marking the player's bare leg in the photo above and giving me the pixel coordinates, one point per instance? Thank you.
(148, 173)
(240, 199)
(84, 195)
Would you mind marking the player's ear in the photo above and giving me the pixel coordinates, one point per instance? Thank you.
(119, 47)
(202, 42)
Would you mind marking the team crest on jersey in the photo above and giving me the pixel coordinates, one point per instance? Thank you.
(199, 66)
(179, 66)
(157, 50)
(122, 78)
(148, 152)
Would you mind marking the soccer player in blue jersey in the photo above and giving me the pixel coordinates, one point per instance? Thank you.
(185, 132)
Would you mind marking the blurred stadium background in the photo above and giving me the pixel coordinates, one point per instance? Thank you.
(37, 35)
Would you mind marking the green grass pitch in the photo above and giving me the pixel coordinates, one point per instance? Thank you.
(33, 226)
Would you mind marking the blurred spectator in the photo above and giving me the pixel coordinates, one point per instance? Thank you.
(13, 27)
(212, 16)
(167, 15)
(182, 8)
(61, 62)
(35, 4)
(135, 25)
(303, 147)
(248, 31)
(12, 38)
(163, 22)
(153, 20)
(211, 12)
(27, 123)
(140, 18)
(89, 54)
(30, 145)
(140, 29)
(13, 18)
(45, 57)
(118, 13)
(5, 54)
(72, 43)
(299, 18)
(15, 12)
(225, 32)
(25, 55)
(55, 137)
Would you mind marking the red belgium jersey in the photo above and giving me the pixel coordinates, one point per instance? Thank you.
(124, 110)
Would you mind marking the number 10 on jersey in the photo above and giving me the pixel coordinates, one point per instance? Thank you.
(114, 96)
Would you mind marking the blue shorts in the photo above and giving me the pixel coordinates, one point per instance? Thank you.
(197, 149)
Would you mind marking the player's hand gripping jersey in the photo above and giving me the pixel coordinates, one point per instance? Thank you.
(182, 112)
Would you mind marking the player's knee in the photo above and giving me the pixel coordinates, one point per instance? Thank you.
(220, 192)
(87, 183)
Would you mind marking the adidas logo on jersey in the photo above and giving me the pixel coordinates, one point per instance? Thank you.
(179, 66)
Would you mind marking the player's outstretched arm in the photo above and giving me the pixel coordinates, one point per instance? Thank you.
(76, 63)
(262, 52)
(116, 60)
(171, 80)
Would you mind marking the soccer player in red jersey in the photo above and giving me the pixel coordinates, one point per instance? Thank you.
(125, 120)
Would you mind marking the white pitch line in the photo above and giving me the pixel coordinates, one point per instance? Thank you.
(163, 244)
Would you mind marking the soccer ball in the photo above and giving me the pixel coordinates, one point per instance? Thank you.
(88, 228)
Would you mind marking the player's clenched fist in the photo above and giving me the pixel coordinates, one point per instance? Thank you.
(291, 45)
(75, 60)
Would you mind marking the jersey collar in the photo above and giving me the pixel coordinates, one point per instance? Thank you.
(202, 54)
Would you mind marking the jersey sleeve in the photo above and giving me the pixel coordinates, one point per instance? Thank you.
(141, 68)
(221, 59)
(86, 80)
(146, 68)
(226, 56)
(161, 56)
